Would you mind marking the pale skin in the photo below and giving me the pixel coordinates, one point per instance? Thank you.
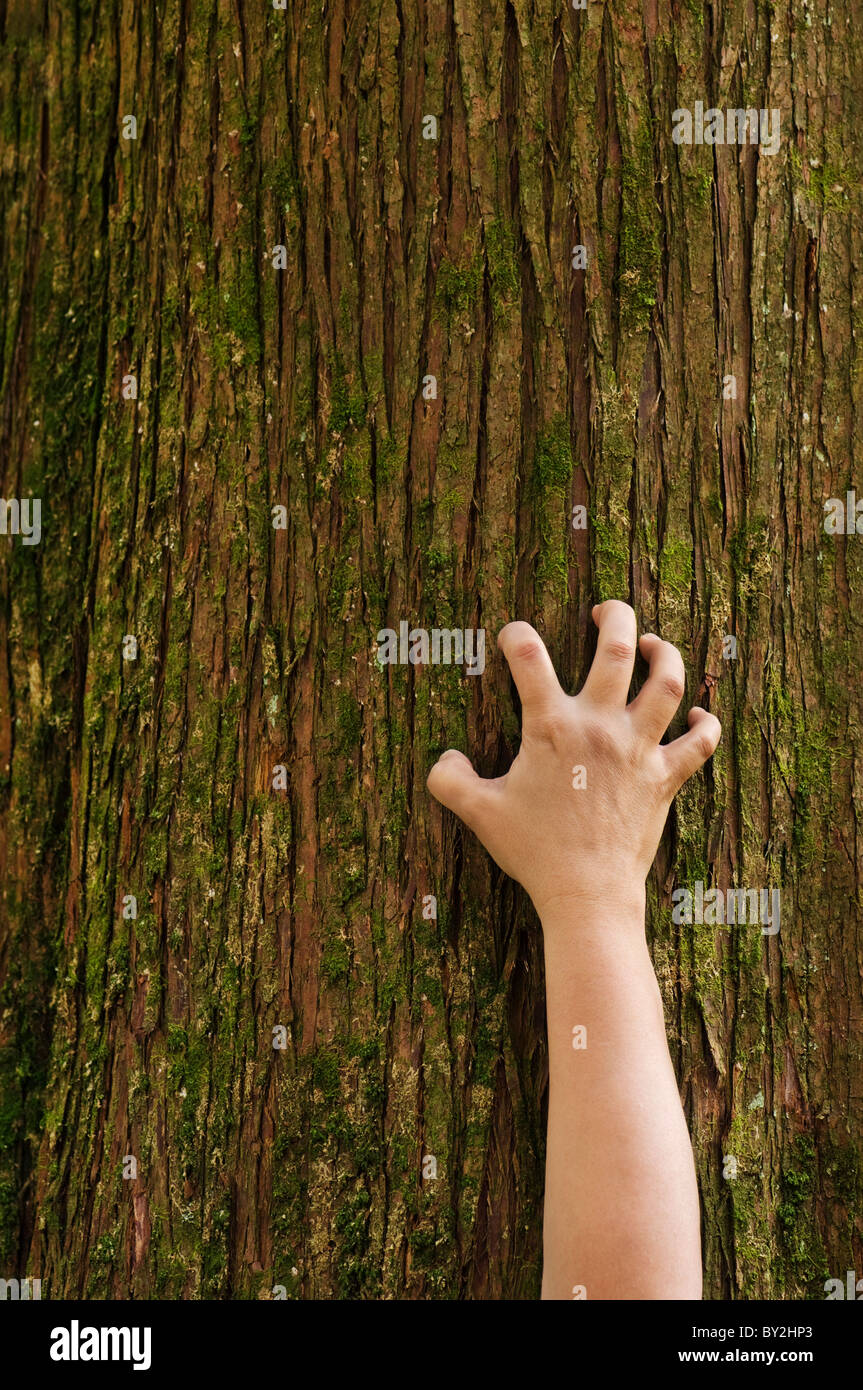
(621, 1214)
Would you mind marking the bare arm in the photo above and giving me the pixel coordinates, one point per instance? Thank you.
(577, 821)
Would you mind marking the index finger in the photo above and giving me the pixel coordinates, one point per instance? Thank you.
(538, 687)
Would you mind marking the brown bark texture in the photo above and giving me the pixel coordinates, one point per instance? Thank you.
(693, 381)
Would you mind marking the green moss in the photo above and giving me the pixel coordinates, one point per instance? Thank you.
(104, 1257)
(349, 723)
(811, 774)
(676, 567)
(356, 1276)
(335, 961)
(549, 482)
(340, 579)
(801, 1247)
(829, 183)
(610, 558)
(458, 286)
(699, 187)
(24, 1058)
(502, 257)
(747, 544)
(640, 260)
(325, 1073)
(347, 401)
(280, 179)
(553, 458)
(753, 1234)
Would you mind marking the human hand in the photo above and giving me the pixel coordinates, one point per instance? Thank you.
(565, 842)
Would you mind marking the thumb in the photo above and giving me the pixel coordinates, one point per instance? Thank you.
(453, 782)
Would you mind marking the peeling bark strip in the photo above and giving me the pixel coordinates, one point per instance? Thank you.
(148, 251)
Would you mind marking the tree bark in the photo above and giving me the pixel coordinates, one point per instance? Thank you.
(409, 1035)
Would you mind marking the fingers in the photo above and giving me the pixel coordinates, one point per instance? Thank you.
(609, 677)
(538, 687)
(454, 783)
(688, 753)
(654, 706)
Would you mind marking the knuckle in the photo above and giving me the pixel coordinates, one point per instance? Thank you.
(552, 728)
(673, 685)
(713, 729)
(527, 649)
(517, 634)
(707, 736)
(602, 739)
(705, 745)
(619, 649)
(669, 784)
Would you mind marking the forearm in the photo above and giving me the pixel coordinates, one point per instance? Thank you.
(585, 802)
(621, 1202)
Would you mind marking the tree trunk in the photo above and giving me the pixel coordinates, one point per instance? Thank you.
(697, 388)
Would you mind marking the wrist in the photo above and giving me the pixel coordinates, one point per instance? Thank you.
(603, 902)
